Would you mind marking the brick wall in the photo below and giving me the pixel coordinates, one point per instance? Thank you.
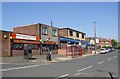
(63, 32)
(5, 43)
(33, 29)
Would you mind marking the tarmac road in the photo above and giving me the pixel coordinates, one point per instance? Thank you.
(98, 65)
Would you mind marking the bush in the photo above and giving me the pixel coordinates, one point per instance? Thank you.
(118, 47)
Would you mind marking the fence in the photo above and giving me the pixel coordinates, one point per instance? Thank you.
(73, 51)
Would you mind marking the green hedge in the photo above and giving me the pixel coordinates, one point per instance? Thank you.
(117, 47)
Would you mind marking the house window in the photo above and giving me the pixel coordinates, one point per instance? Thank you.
(77, 34)
(83, 36)
(54, 32)
(44, 30)
(71, 33)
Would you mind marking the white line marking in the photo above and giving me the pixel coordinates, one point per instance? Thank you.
(64, 75)
(101, 62)
(115, 56)
(34, 65)
(16, 68)
(76, 74)
(85, 68)
(109, 58)
(19, 67)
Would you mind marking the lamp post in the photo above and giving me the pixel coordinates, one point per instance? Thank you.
(95, 35)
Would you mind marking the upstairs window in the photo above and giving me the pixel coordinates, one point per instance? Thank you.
(54, 32)
(77, 34)
(44, 30)
(83, 36)
(71, 33)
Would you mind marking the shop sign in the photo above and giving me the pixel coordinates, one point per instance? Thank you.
(26, 37)
(24, 41)
(49, 42)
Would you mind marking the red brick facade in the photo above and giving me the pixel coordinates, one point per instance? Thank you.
(6, 46)
(105, 42)
(33, 29)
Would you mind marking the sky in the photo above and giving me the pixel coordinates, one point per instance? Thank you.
(76, 15)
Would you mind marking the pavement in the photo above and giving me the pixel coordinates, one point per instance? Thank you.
(97, 65)
(39, 59)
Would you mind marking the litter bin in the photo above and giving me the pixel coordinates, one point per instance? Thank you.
(30, 53)
(48, 57)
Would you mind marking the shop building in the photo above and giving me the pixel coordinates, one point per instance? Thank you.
(12, 43)
(44, 32)
(71, 33)
(70, 36)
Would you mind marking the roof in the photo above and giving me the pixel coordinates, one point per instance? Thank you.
(35, 24)
(71, 29)
(5, 31)
(48, 25)
(104, 39)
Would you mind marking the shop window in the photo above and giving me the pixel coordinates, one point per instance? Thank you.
(35, 46)
(77, 34)
(71, 33)
(17, 46)
(44, 30)
(54, 32)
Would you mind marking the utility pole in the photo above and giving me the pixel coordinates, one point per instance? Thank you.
(95, 35)
(51, 23)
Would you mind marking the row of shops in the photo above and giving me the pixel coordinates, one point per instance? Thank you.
(12, 44)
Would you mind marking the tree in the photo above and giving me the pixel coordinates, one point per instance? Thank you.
(114, 42)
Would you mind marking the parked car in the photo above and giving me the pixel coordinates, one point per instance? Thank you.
(103, 51)
(107, 50)
(113, 49)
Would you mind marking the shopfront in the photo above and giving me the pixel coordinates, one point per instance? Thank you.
(18, 41)
(53, 45)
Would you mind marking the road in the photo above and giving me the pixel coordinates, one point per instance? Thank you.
(98, 65)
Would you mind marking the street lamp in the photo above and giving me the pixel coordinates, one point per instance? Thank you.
(95, 35)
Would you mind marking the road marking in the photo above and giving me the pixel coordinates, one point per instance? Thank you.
(19, 67)
(35, 65)
(82, 73)
(85, 68)
(64, 75)
(115, 56)
(101, 62)
(76, 74)
(109, 58)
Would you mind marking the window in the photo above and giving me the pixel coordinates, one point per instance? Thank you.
(83, 36)
(71, 33)
(35, 46)
(44, 30)
(77, 34)
(54, 32)
(17, 46)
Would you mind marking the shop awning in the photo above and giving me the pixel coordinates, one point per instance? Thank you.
(68, 40)
(85, 42)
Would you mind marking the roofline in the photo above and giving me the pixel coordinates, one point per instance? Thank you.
(34, 24)
(71, 29)
(48, 25)
(5, 31)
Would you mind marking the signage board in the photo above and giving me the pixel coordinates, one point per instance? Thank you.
(25, 37)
